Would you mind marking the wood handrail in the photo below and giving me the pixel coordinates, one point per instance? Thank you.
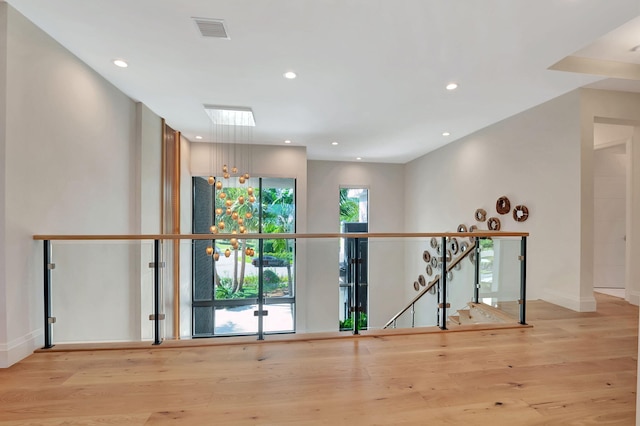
(481, 234)
(428, 287)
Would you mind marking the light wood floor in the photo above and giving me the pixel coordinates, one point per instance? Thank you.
(569, 368)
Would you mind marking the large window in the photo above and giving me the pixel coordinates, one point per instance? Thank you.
(354, 217)
(243, 286)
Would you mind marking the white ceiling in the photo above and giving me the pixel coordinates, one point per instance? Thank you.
(371, 73)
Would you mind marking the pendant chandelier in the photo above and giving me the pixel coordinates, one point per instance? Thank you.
(230, 162)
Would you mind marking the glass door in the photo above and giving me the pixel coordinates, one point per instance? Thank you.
(241, 286)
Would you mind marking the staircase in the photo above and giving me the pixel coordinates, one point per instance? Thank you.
(480, 313)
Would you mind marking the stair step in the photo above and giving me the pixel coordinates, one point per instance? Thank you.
(465, 316)
(455, 319)
(486, 313)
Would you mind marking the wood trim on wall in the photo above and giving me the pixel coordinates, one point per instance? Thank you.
(170, 210)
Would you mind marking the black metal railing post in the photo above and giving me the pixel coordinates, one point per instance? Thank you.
(443, 284)
(523, 280)
(260, 311)
(47, 294)
(476, 289)
(356, 286)
(156, 292)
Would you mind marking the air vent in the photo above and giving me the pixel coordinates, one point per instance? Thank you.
(211, 28)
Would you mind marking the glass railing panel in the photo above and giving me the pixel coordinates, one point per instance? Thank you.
(279, 318)
(321, 302)
(402, 269)
(460, 278)
(238, 282)
(101, 291)
(278, 274)
(235, 319)
(500, 274)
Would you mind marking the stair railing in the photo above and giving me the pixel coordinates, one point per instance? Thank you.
(430, 285)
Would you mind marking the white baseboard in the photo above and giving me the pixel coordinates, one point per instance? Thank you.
(583, 304)
(633, 297)
(19, 348)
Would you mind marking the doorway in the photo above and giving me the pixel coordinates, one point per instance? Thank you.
(610, 170)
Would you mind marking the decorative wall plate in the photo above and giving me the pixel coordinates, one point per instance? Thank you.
(493, 223)
(426, 256)
(472, 257)
(434, 261)
(416, 285)
(434, 242)
(481, 215)
(454, 245)
(464, 246)
(422, 281)
(520, 213)
(462, 228)
(429, 270)
(503, 205)
(457, 267)
(449, 276)
(473, 228)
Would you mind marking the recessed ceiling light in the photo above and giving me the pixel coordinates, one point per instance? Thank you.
(287, 141)
(452, 86)
(198, 137)
(334, 143)
(446, 134)
(120, 63)
(290, 75)
(358, 158)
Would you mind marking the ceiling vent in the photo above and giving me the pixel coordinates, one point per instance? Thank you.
(211, 28)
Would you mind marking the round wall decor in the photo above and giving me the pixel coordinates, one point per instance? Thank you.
(422, 281)
(472, 257)
(473, 228)
(481, 215)
(503, 205)
(429, 270)
(520, 213)
(416, 285)
(454, 245)
(434, 261)
(462, 228)
(426, 256)
(493, 223)
(434, 242)
(463, 246)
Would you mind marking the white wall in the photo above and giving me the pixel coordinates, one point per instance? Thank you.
(4, 347)
(386, 276)
(533, 158)
(70, 163)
